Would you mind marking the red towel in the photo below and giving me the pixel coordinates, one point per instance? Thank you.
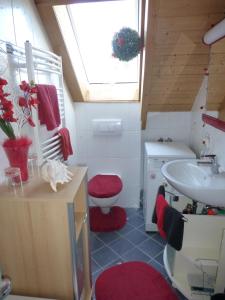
(48, 107)
(66, 144)
(161, 205)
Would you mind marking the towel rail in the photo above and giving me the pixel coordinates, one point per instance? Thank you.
(55, 66)
(46, 52)
(57, 142)
(50, 140)
(35, 60)
(46, 154)
(47, 70)
(53, 155)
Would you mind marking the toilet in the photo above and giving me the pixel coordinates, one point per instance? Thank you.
(104, 190)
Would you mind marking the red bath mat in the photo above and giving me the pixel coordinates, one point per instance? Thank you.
(114, 220)
(133, 281)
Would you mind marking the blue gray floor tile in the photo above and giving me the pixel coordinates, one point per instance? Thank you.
(104, 256)
(135, 255)
(136, 237)
(128, 244)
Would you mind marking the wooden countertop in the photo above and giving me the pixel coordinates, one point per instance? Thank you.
(14, 297)
(39, 190)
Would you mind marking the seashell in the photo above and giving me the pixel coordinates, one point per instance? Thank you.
(54, 171)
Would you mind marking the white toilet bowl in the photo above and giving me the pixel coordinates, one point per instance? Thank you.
(105, 204)
(104, 190)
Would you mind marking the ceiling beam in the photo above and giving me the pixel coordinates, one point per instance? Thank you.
(52, 28)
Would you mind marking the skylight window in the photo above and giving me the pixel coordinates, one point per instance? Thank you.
(88, 30)
(94, 26)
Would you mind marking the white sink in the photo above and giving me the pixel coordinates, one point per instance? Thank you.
(196, 181)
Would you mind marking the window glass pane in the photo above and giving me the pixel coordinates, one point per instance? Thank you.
(94, 25)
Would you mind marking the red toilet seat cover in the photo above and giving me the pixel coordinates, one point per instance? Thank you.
(104, 186)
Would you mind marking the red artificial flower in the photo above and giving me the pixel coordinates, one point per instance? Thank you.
(24, 86)
(8, 116)
(3, 81)
(22, 102)
(30, 121)
(7, 105)
(33, 90)
(33, 101)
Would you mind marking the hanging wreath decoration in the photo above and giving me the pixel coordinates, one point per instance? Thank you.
(126, 44)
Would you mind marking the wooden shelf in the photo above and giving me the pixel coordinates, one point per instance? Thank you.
(79, 221)
(214, 122)
(38, 233)
(88, 294)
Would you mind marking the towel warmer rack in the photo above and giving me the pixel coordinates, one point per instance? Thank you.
(35, 64)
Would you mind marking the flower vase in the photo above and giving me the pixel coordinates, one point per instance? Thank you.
(17, 154)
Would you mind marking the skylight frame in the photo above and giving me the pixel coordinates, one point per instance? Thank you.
(135, 61)
(116, 92)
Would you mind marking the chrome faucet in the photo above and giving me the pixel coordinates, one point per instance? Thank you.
(213, 162)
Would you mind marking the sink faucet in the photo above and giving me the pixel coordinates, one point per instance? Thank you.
(213, 162)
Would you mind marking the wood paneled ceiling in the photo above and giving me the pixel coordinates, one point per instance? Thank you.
(174, 57)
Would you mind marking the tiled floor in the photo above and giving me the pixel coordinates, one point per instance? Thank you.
(128, 244)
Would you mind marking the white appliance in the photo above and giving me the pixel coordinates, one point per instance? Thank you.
(156, 154)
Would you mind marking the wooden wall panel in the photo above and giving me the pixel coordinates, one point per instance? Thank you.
(175, 57)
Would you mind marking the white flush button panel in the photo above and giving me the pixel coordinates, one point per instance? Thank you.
(107, 126)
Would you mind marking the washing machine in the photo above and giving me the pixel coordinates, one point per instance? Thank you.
(156, 154)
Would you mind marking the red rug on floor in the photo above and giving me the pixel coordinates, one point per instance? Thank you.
(114, 220)
(133, 281)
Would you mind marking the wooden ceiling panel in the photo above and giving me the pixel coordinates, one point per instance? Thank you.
(178, 70)
(187, 8)
(178, 60)
(175, 56)
(183, 22)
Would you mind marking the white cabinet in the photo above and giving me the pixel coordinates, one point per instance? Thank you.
(156, 154)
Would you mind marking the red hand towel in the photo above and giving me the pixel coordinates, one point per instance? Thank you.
(66, 144)
(161, 205)
(48, 107)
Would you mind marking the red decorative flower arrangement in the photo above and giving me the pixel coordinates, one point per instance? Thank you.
(18, 112)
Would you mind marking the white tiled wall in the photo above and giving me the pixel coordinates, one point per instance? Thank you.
(199, 132)
(175, 125)
(111, 154)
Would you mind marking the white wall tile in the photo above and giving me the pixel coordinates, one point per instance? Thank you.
(7, 26)
(128, 112)
(198, 131)
(175, 125)
(127, 169)
(81, 117)
(111, 154)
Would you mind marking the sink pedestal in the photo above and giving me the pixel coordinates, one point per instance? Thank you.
(202, 257)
